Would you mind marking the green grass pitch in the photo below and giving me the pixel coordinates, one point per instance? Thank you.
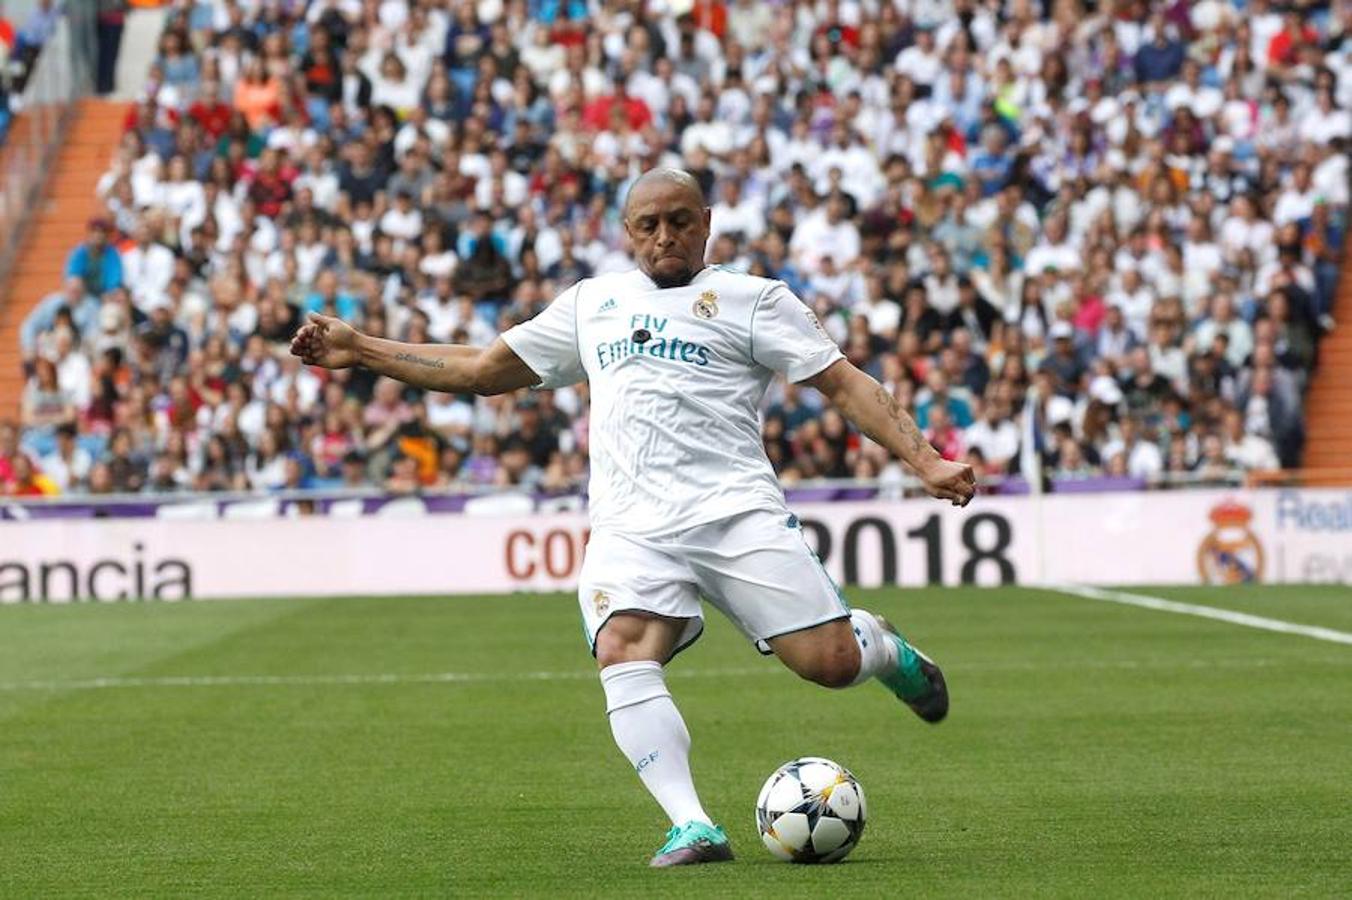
(1092, 750)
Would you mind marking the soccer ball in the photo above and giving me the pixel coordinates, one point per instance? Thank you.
(811, 810)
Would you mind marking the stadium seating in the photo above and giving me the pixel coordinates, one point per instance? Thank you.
(1110, 238)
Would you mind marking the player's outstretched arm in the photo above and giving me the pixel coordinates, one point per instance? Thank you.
(452, 368)
(877, 413)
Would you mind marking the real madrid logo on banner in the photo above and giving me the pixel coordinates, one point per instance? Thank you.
(706, 307)
(1231, 552)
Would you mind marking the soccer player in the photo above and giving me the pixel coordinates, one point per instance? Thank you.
(684, 502)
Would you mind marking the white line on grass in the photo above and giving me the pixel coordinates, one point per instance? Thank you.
(1145, 601)
(209, 681)
(193, 681)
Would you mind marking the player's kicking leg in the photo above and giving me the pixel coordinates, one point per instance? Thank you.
(847, 652)
(757, 568)
(631, 649)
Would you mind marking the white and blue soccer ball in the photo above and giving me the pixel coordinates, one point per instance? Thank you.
(811, 810)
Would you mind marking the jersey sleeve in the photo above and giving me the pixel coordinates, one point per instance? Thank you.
(548, 342)
(787, 337)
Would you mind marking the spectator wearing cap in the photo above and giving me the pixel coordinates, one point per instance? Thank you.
(164, 342)
(1063, 362)
(94, 261)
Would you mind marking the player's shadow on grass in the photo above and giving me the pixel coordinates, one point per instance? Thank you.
(848, 863)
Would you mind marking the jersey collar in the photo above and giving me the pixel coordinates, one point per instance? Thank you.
(653, 284)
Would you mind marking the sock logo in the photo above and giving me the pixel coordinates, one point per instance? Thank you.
(643, 763)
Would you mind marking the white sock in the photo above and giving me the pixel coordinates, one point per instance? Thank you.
(877, 653)
(652, 735)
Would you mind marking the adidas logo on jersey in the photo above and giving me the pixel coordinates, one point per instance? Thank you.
(608, 305)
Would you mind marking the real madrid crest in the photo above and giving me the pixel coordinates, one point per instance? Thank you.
(1231, 553)
(706, 307)
(601, 601)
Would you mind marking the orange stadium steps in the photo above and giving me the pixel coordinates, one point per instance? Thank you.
(67, 203)
(1328, 407)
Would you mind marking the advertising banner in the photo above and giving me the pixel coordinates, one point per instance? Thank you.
(1186, 537)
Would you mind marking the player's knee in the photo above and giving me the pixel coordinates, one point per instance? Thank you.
(622, 639)
(612, 649)
(836, 666)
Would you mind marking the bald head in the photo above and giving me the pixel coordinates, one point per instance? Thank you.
(663, 177)
(668, 224)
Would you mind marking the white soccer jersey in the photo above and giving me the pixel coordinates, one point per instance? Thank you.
(677, 376)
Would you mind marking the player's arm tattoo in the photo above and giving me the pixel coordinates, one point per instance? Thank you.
(905, 424)
(426, 361)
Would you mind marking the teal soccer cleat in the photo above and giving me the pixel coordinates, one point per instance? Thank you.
(917, 682)
(691, 844)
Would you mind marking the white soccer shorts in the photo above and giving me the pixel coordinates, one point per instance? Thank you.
(755, 567)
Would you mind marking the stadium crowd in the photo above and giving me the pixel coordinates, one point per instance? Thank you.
(1122, 219)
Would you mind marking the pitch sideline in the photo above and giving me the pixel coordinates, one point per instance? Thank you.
(392, 678)
(1145, 601)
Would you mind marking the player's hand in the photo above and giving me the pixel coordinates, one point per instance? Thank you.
(326, 341)
(952, 481)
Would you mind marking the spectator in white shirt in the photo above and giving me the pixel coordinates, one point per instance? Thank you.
(1115, 340)
(1297, 201)
(147, 267)
(1248, 451)
(1143, 457)
(1054, 251)
(1204, 101)
(734, 214)
(1223, 320)
(921, 62)
(825, 233)
(1200, 252)
(941, 284)
(68, 465)
(707, 132)
(403, 221)
(995, 435)
(73, 371)
(1326, 121)
(393, 87)
(1134, 299)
